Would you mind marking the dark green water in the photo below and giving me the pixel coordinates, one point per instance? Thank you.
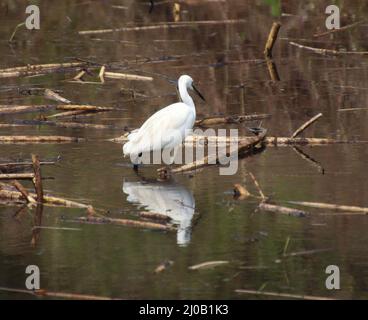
(119, 262)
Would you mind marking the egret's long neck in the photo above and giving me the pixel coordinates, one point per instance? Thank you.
(184, 95)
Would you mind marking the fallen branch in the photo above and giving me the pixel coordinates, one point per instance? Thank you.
(283, 210)
(75, 107)
(12, 109)
(327, 51)
(243, 146)
(282, 295)
(59, 124)
(17, 197)
(39, 69)
(331, 206)
(19, 176)
(124, 222)
(38, 139)
(306, 125)
(68, 114)
(11, 167)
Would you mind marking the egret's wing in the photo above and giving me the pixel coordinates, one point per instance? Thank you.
(162, 128)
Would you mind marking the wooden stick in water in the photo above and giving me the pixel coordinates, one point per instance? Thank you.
(125, 76)
(37, 181)
(283, 210)
(23, 191)
(306, 125)
(331, 206)
(272, 37)
(124, 222)
(38, 139)
(49, 94)
(37, 69)
(327, 51)
(19, 176)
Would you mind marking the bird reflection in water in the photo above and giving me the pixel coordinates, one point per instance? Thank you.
(168, 198)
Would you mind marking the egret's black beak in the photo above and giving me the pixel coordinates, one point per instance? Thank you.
(197, 92)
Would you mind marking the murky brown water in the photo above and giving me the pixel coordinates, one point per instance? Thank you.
(224, 60)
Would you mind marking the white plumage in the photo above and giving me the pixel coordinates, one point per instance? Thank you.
(166, 128)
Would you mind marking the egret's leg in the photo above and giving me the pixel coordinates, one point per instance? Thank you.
(174, 151)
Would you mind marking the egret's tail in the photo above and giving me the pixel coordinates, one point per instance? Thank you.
(127, 148)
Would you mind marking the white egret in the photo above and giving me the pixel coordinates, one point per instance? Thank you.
(165, 129)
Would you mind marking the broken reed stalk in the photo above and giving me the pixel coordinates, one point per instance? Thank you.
(306, 125)
(67, 114)
(39, 69)
(327, 51)
(38, 139)
(58, 124)
(49, 94)
(283, 210)
(37, 181)
(76, 107)
(169, 25)
(12, 109)
(125, 76)
(23, 191)
(20, 165)
(124, 222)
(283, 295)
(331, 206)
(272, 37)
(19, 176)
(16, 196)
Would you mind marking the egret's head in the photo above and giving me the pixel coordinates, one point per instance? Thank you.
(187, 81)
